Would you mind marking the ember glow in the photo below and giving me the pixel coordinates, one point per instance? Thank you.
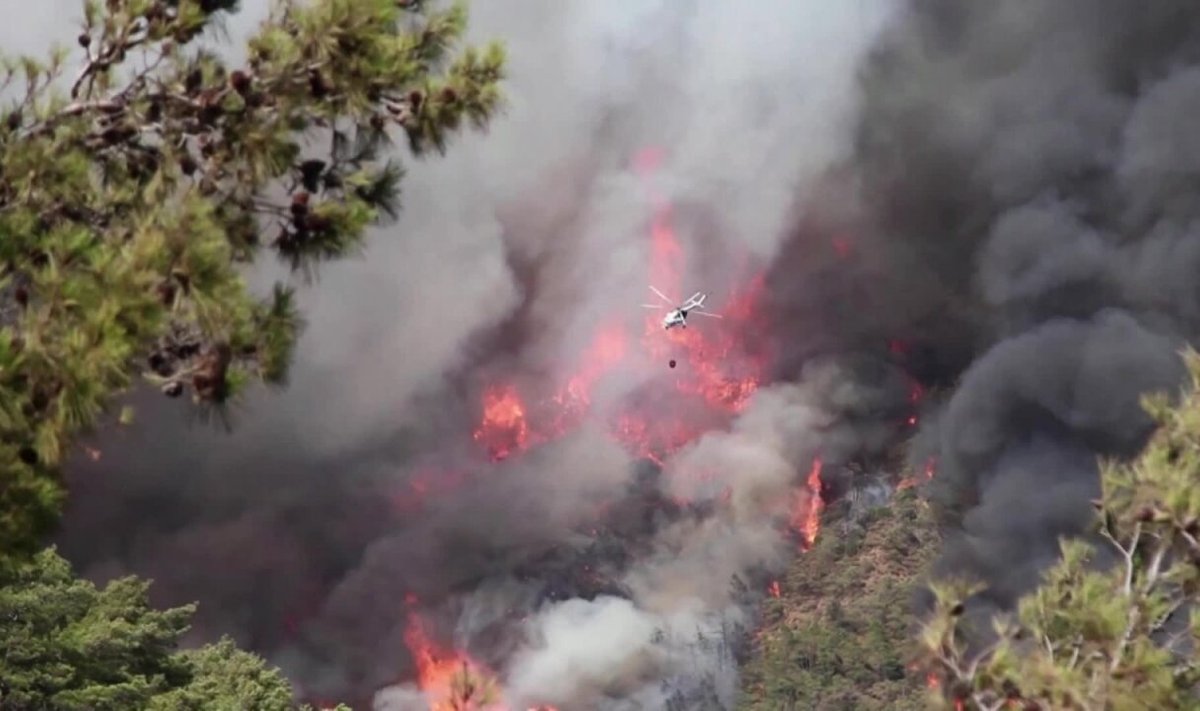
(504, 429)
(933, 683)
(926, 475)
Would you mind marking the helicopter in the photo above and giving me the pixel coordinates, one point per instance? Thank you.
(677, 316)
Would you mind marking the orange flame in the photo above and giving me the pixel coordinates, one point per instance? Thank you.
(503, 430)
(717, 378)
(773, 589)
(807, 521)
(908, 482)
(933, 683)
(436, 668)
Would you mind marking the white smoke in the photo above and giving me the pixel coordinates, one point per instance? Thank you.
(685, 611)
(585, 651)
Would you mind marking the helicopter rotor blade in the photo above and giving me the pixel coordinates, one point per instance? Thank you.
(705, 313)
(661, 296)
(652, 306)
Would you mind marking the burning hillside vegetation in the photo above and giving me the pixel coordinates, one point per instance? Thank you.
(674, 489)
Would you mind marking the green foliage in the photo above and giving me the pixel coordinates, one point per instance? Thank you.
(130, 203)
(224, 677)
(68, 645)
(129, 206)
(838, 636)
(1092, 636)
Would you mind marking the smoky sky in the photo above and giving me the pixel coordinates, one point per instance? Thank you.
(996, 200)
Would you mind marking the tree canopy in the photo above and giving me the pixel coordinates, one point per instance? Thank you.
(838, 634)
(1114, 625)
(71, 645)
(134, 193)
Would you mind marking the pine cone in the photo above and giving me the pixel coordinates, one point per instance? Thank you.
(240, 81)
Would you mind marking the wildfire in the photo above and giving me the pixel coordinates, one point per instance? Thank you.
(718, 373)
(930, 468)
(436, 668)
(504, 429)
(806, 515)
(934, 684)
(450, 680)
(717, 378)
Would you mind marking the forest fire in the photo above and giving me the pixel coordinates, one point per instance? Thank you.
(926, 475)
(504, 429)
(719, 371)
(806, 515)
(440, 673)
(717, 377)
(449, 679)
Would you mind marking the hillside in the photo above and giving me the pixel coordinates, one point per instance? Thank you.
(837, 637)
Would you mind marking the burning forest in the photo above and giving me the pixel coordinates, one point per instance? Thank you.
(511, 494)
(966, 231)
(721, 365)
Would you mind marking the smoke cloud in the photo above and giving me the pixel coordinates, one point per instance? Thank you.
(996, 200)
(333, 511)
(1037, 155)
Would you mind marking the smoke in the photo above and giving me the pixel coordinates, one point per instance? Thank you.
(1037, 156)
(995, 199)
(1019, 440)
(587, 650)
(335, 510)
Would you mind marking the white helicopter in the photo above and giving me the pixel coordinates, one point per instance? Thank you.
(677, 316)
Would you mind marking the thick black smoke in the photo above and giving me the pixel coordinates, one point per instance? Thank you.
(1037, 159)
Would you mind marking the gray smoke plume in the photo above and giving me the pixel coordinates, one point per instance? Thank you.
(1038, 156)
(331, 510)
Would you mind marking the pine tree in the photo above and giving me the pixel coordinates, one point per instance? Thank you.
(1096, 635)
(132, 196)
(225, 677)
(134, 193)
(70, 645)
